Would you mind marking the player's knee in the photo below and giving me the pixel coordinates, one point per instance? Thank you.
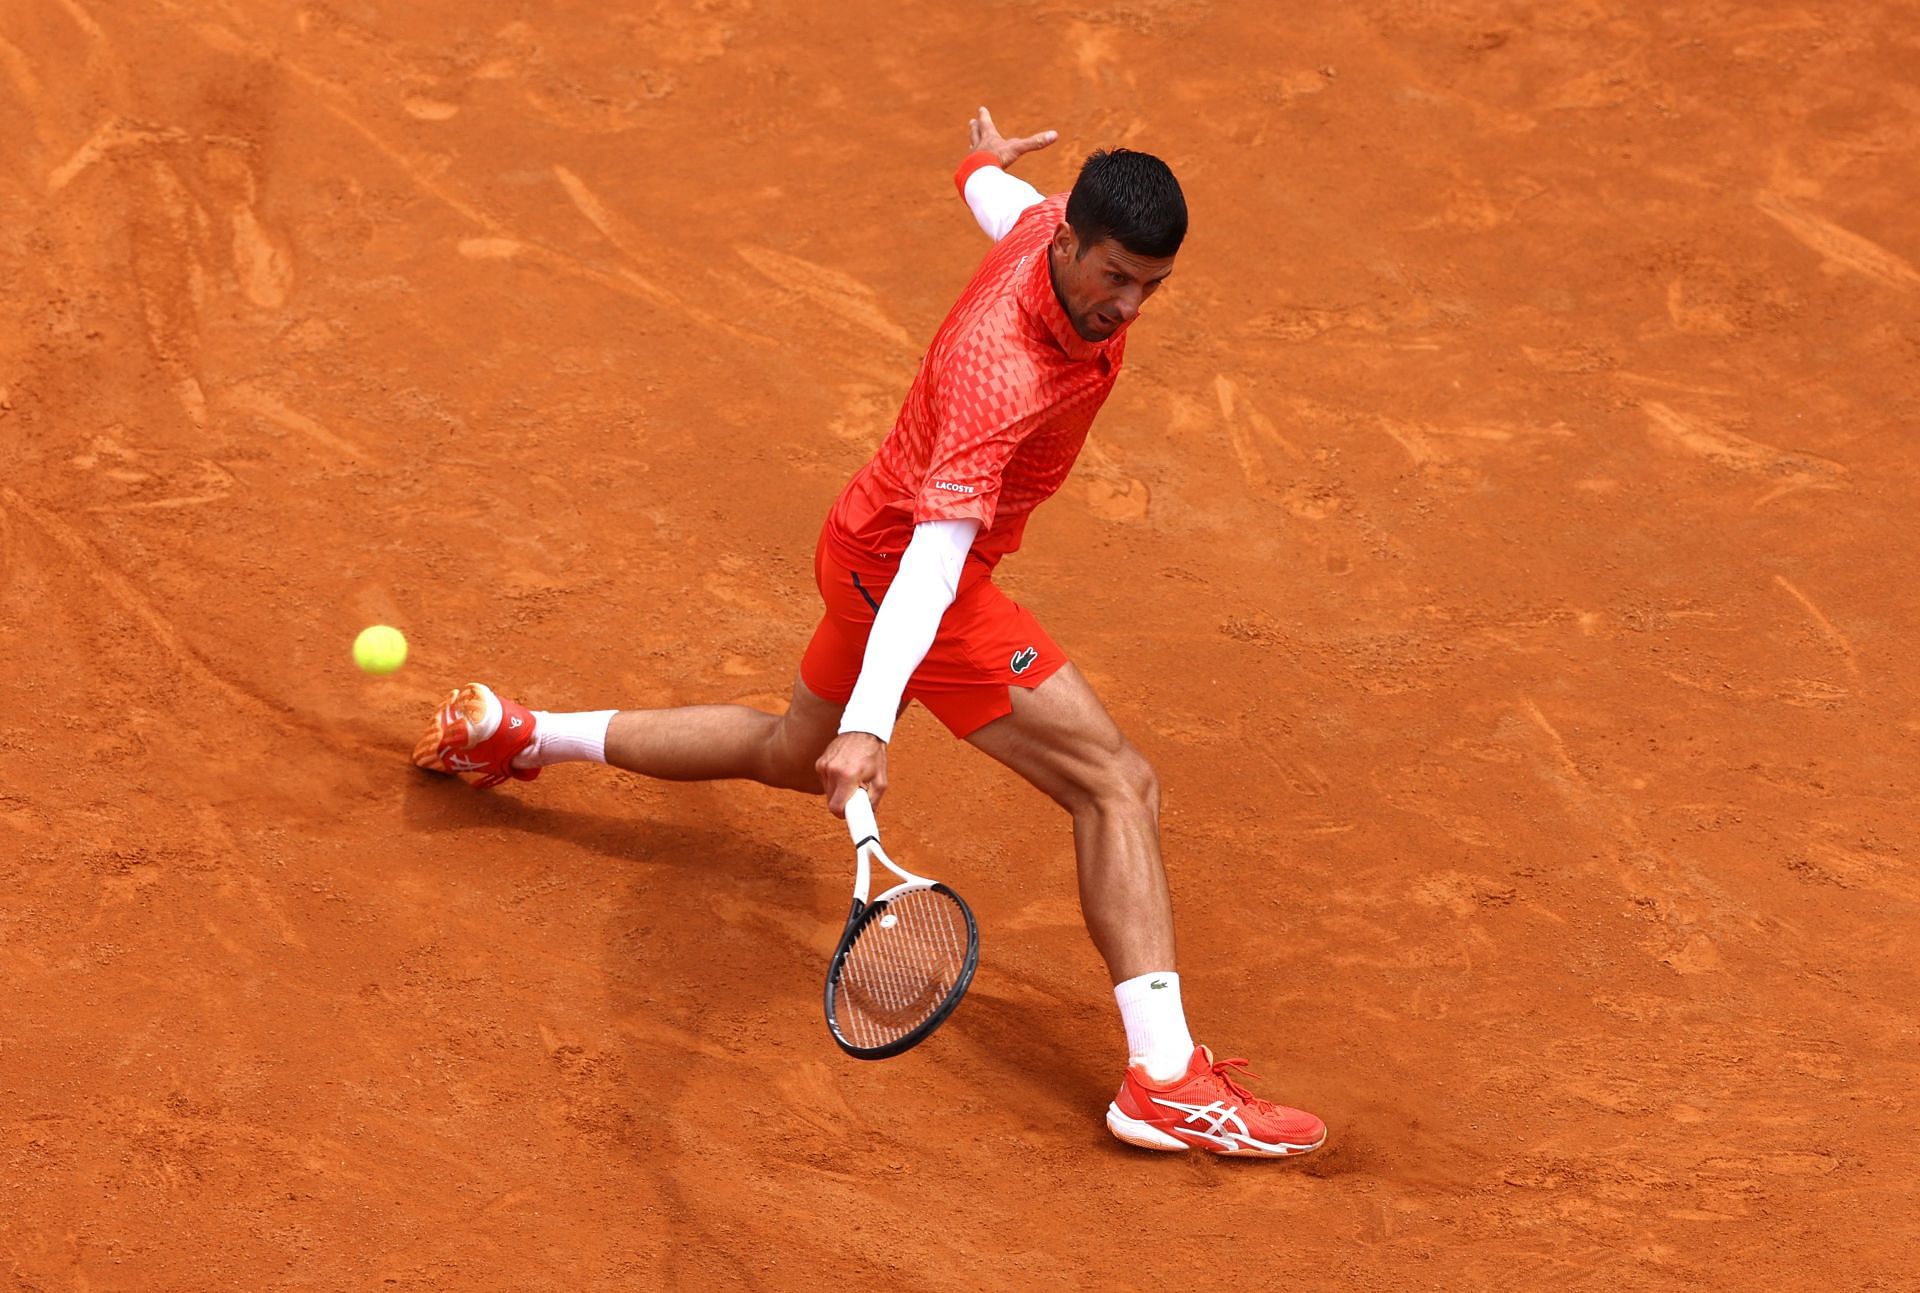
(796, 776)
(1141, 784)
(788, 770)
(1125, 783)
(786, 765)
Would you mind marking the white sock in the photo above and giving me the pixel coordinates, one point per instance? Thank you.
(567, 738)
(1157, 1037)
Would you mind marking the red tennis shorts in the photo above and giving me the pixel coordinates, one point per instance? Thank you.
(987, 643)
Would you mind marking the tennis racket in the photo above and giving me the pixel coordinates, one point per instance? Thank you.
(905, 959)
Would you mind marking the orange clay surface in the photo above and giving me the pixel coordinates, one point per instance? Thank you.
(1501, 541)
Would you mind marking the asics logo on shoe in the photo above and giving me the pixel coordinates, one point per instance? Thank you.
(461, 763)
(1220, 1124)
(1023, 659)
(1215, 1118)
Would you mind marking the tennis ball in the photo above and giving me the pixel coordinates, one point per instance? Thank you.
(380, 649)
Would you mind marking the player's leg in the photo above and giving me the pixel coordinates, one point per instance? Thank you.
(1062, 740)
(489, 739)
(1175, 1095)
(717, 742)
(481, 734)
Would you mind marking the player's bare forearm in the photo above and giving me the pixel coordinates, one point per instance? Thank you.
(985, 137)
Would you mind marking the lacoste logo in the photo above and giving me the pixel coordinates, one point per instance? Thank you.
(1022, 661)
(1158, 983)
(952, 488)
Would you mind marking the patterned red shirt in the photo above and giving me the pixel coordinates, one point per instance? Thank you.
(996, 415)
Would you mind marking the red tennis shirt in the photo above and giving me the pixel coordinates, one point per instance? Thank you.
(996, 415)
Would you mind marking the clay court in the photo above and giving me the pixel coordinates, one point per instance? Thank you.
(1501, 540)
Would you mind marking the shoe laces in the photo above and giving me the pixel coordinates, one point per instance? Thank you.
(1222, 1072)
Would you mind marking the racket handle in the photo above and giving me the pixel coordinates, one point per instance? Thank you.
(860, 822)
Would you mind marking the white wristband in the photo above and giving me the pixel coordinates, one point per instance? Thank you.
(997, 199)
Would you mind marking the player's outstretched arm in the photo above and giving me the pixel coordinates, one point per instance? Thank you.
(903, 629)
(995, 197)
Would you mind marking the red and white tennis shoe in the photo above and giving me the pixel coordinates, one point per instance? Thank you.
(1206, 1109)
(475, 736)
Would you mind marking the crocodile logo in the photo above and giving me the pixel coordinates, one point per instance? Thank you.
(1023, 659)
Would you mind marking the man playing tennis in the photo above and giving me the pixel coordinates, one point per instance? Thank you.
(991, 426)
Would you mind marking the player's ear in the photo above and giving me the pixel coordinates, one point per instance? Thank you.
(1065, 242)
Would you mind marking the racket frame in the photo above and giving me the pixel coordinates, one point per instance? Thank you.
(865, 830)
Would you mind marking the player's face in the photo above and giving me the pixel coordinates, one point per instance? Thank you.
(1102, 284)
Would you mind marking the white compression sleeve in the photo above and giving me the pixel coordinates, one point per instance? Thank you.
(908, 620)
(997, 199)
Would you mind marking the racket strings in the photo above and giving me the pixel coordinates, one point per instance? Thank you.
(899, 972)
(897, 962)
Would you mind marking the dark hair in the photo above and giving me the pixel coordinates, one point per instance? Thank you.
(1131, 197)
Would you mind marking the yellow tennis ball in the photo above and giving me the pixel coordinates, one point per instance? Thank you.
(380, 649)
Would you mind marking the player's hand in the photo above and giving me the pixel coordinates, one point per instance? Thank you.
(855, 759)
(986, 138)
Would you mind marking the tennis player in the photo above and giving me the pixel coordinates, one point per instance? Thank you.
(991, 426)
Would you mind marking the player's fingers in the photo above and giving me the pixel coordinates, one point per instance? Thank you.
(984, 134)
(838, 792)
(1033, 143)
(877, 789)
(834, 784)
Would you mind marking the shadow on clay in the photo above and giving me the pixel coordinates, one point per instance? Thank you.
(1048, 1047)
(434, 803)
